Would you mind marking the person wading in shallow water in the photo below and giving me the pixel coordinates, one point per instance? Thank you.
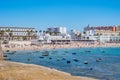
(1, 53)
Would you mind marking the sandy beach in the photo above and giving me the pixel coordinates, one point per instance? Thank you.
(26, 45)
(21, 71)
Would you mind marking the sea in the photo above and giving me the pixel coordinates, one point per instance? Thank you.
(99, 63)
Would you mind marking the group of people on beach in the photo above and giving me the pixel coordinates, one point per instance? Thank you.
(26, 45)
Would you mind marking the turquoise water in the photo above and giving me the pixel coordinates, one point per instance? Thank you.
(103, 63)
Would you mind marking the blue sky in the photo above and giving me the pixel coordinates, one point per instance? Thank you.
(73, 14)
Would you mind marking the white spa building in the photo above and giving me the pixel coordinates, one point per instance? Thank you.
(60, 37)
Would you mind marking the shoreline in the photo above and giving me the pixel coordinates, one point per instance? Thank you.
(45, 73)
(47, 69)
(26, 45)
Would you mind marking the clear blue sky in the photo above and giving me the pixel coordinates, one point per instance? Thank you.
(73, 14)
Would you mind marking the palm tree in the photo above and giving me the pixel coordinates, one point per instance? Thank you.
(119, 34)
(47, 32)
(79, 35)
(8, 30)
(28, 34)
(2, 32)
(11, 34)
(36, 31)
(55, 33)
(50, 33)
(40, 31)
(44, 32)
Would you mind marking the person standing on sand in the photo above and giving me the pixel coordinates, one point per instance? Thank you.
(1, 53)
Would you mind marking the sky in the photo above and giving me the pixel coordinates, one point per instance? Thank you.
(72, 14)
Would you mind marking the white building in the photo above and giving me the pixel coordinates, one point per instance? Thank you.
(61, 30)
(103, 38)
(75, 34)
(17, 33)
(47, 38)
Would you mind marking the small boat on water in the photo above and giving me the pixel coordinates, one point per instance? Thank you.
(54, 51)
(85, 62)
(36, 51)
(76, 60)
(74, 53)
(68, 62)
(29, 52)
(9, 52)
(41, 57)
(87, 51)
(29, 59)
(98, 60)
(50, 58)
(63, 58)
(102, 51)
(58, 59)
(7, 58)
(66, 51)
(45, 53)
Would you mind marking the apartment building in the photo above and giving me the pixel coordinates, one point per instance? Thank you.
(60, 30)
(17, 33)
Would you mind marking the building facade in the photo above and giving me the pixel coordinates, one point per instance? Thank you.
(60, 30)
(103, 33)
(17, 33)
(75, 35)
(103, 28)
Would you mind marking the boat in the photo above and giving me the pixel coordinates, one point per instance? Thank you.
(102, 51)
(98, 60)
(36, 51)
(7, 58)
(66, 51)
(45, 53)
(29, 59)
(74, 53)
(9, 52)
(87, 51)
(76, 60)
(85, 62)
(58, 59)
(41, 57)
(68, 62)
(50, 58)
(63, 58)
